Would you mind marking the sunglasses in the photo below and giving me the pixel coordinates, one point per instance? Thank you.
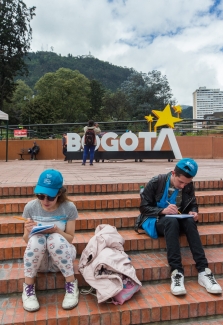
(42, 197)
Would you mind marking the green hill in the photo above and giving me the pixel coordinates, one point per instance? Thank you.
(110, 76)
(187, 112)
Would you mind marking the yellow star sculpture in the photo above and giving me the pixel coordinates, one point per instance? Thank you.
(149, 118)
(165, 117)
(177, 109)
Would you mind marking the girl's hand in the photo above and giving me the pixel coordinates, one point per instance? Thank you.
(50, 231)
(29, 224)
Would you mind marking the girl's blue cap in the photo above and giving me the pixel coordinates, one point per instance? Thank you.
(49, 183)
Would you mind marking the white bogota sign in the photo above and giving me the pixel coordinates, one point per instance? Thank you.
(75, 142)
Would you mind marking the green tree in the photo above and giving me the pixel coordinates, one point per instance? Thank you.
(96, 98)
(15, 37)
(42, 62)
(67, 94)
(146, 92)
(38, 111)
(159, 89)
(18, 103)
(116, 106)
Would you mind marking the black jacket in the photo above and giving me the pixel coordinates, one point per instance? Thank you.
(153, 192)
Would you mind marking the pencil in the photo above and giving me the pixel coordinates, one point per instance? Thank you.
(20, 218)
(171, 203)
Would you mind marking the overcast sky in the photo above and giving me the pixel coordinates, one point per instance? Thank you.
(181, 38)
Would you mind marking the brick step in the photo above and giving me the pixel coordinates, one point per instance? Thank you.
(93, 202)
(211, 235)
(153, 303)
(100, 202)
(149, 267)
(15, 191)
(24, 190)
(88, 220)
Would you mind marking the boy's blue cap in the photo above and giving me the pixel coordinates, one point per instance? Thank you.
(49, 183)
(188, 165)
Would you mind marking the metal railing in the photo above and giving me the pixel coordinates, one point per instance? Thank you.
(47, 131)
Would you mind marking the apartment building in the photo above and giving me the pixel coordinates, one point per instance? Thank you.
(206, 102)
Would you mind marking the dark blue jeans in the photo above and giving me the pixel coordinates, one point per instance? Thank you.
(33, 154)
(171, 228)
(86, 151)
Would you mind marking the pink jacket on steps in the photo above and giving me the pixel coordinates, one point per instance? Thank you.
(105, 249)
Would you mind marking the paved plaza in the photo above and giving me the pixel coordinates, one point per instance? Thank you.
(18, 172)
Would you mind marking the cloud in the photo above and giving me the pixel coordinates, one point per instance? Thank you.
(180, 38)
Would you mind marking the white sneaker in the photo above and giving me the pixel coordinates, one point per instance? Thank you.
(177, 283)
(71, 295)
(30, 302)
(208, 281)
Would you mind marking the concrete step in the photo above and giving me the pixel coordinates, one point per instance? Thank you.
(89, 220)
(211, 235)
(149, 267)
(208, 321)
(105, 201)
(153, 303)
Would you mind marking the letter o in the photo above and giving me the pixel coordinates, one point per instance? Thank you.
(132, 146)
(114, 143)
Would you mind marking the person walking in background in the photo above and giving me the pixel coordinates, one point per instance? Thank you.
(90, 141)
(166, 197)
(64, 146)
(50, 250)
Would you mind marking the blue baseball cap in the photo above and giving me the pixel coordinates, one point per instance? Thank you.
(49, 182)
(188, 165)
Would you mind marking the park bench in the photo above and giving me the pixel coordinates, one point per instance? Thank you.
(23, 152)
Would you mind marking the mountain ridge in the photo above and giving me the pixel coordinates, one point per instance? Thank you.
(39, 63)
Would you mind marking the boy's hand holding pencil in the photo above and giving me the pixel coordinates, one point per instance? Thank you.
(178, 212)
(171, 209)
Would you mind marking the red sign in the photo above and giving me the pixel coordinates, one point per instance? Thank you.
(20, 133)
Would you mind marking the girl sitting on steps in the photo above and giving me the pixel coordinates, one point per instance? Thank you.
(52, 249)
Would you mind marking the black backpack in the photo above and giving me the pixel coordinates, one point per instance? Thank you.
(89, 137)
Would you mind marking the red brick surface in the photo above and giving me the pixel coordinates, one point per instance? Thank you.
(153, 303)
(115, 204)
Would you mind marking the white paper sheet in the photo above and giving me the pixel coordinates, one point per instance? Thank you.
(39, 229)
(179, 216)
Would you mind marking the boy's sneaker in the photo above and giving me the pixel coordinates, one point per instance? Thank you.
(71, 295)
(30, 302)
(177, 283)
(208, 281)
